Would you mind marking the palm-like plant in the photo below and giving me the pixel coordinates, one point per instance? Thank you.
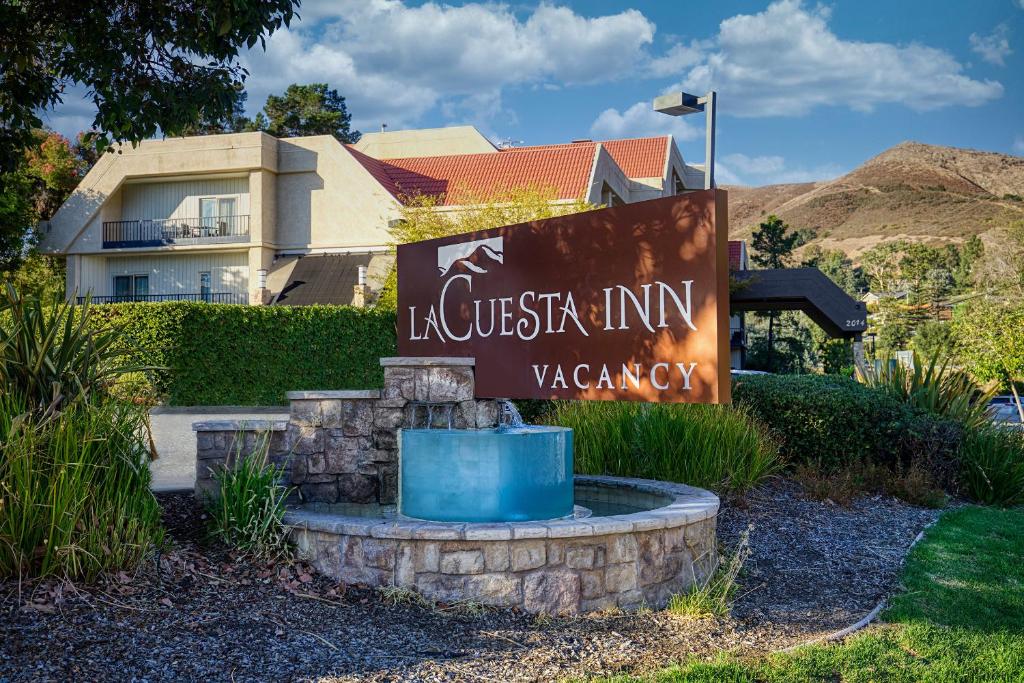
(51, 355)
(937, 388)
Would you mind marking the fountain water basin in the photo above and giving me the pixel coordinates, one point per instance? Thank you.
(515, 474)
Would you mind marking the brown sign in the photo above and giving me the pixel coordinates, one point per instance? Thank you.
(625, 303)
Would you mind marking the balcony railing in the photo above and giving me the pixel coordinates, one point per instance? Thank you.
(210, 298)
(170, 231)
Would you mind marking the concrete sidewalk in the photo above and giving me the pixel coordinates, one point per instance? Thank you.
(175, 466)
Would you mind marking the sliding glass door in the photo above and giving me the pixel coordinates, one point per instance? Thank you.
(131, 287)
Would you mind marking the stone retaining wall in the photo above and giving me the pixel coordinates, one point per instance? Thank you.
(557, 567)
(342, 446)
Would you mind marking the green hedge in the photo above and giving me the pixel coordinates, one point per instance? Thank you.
(219, 354)
(835, 421)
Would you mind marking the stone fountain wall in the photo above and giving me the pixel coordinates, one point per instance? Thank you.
(342, 446)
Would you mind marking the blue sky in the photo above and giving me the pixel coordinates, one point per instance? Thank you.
(806, 91)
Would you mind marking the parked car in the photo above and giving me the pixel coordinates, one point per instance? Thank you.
(1003, 410)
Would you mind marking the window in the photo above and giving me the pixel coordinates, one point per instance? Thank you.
(218, 213)
(204, 286)
(131, 287)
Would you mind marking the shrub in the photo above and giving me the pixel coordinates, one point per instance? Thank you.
(711, 446)
(221, 354)
(914, 483)
(74, 489)
(249, 508)
(825, 419)
(993, 465)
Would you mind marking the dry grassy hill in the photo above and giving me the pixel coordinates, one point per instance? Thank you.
(911, 191)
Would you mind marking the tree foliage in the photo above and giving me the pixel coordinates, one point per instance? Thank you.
(773, 243)
(990, 341)
(422, 219)
(149, 65)
(213, 121)
(49, 171)
(312, 109)
(837, 266)
(1002, 270)
(58, 165)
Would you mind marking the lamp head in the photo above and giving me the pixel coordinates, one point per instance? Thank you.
(678, 104)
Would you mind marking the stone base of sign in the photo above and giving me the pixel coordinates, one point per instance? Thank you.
(342, 446)
(557, 567)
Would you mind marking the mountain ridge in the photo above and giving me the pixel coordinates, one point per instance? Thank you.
(913, 191)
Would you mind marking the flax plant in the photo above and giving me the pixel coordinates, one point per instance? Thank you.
(51, 355)
(74, 490)
(936, 388)
(74, 479)
(247, 512)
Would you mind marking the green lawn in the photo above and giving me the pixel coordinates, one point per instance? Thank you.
(960, 617)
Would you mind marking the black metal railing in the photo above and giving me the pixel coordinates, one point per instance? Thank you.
(210, 298)
(154, 232)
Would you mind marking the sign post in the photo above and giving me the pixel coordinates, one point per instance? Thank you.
(624, 303)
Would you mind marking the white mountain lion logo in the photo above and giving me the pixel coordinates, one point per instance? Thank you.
(475, 256)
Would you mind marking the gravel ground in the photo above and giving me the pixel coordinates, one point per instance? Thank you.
(201, 614)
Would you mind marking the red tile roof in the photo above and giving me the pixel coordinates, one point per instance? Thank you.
(637, 157)
(566, 170)
(640, 157)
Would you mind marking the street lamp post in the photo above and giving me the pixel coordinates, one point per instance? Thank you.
(681, 104)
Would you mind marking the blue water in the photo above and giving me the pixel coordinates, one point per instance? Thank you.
(465, 475)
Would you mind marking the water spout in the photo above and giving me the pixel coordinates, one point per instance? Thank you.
(508, 415)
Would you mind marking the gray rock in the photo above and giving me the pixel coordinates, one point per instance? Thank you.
(357, 488)
(462, 562)
(501, 590)
(326, 492)
(528, 555)
(553, 592)
(449, 384)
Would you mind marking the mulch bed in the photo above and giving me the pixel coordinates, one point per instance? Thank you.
(200, 613)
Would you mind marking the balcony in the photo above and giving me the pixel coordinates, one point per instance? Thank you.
(175, 232)
(208, 297)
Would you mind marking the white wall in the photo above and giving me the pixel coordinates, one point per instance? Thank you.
(327, 200)
(168, 273)
(180, 199)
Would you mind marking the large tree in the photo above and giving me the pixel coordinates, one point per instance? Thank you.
(148, 66)
(773, 244)
(312, 109)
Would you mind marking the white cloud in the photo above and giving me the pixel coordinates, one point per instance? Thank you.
(756, 165)
(641, 119)
(1018, 142)
(740, 169)
(787, 61)
(995, 47)
(395, 62)
(677, 58)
